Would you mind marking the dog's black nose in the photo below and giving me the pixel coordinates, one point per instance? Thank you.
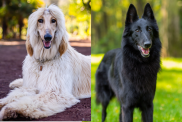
(147, 44)
(47, 37)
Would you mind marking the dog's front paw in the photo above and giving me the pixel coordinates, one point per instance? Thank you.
(16, 83)
(7, 113)
(12, 86)
(10, 113)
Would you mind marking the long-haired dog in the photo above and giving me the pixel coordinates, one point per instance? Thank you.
(130, 72)
(55, 76)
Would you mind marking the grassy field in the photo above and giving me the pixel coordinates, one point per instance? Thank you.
(168, 96)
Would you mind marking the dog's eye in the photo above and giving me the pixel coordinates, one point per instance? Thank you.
(137, 30)
(53, 20)
(40, 20)
(149, 29)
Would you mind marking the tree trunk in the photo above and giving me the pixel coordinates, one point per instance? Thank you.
(140, 7)
(20, 22)
(4, 24)
(104, 20)
(5, 27)
(164, 28)
(174, 41)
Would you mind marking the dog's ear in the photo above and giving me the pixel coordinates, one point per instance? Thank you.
(148, 13)
(63, 46)
(131, 15)
(28, 46)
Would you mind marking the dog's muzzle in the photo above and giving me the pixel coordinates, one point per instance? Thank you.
(47, 41)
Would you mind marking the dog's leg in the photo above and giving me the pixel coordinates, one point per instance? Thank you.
(16, 94)
(120, 114)
(127, 113)
(39, 105)
(16, 83)
(104, 107)
(7, 113)
(147, 114)
(82, 86)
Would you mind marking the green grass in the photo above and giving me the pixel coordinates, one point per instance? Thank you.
(168, 96)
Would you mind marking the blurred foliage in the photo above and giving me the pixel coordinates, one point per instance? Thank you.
(14, 16)
(168, 96)
(78, 17)
(108, 20)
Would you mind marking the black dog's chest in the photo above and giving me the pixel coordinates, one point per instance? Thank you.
(133, 86)
(130, 94)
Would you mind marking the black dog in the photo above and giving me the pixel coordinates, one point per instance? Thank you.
(130, 72)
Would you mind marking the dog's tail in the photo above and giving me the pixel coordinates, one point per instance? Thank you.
(103, 91)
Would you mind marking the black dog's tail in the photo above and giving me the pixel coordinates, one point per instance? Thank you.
(103, 91)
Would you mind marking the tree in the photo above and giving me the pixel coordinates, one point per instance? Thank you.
(13, 12)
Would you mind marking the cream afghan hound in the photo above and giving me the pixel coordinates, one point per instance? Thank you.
(55, 76)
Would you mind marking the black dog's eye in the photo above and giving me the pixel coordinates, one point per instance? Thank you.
(53, 20)
(137, 30)
(149, 29)
(40, 20)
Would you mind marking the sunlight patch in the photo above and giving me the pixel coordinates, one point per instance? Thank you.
(95, 59)
(170, 64)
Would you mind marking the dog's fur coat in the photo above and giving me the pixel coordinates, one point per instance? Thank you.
(64, 79)
(130, 72)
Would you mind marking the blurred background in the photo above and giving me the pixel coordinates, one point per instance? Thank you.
(14, 17)
(108, 21)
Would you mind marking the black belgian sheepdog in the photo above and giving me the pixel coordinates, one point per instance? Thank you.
(130, 72)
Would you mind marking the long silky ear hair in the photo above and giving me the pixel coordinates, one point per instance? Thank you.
(32, 36)
(63, 46)
(28, 46)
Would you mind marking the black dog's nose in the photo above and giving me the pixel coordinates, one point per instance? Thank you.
(147, 44)
(48, 37)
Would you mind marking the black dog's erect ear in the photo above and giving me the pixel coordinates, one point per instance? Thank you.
(131, 15)
(148, 13)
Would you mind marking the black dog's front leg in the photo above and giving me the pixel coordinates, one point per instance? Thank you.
(120, 116)
(104, 107)
(147, 114)
(127, 114)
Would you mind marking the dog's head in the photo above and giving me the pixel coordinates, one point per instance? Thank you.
(141, 31)
(46, 27)
(46, 33)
